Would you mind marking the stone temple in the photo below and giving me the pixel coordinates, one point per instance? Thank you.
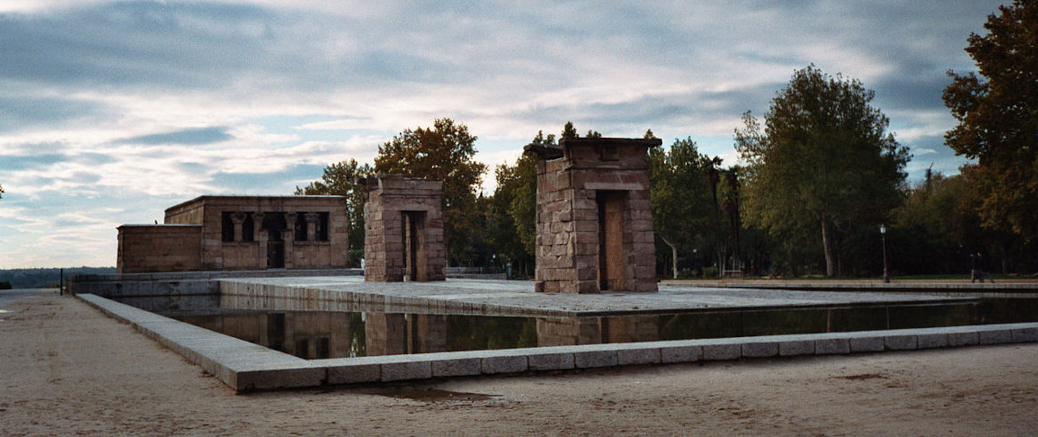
(403, 230)
(211, 233)
(594, 216)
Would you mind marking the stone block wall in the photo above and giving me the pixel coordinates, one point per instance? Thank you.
(270, 240)
(594, 216)
(159, 248)
(403, 230)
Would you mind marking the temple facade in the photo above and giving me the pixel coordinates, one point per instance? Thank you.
(240, 233)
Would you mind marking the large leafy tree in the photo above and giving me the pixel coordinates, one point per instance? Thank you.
(824, 162)
(998, 119)
(442, 152)
(512, 214)
(341, 179)
(682, 211)
(935, 225)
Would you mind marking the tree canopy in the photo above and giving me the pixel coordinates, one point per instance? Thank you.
(824, 162)
(443, 152)
(998, 119)
(681, 197)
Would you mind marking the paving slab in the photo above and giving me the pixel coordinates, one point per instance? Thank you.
(502, 297)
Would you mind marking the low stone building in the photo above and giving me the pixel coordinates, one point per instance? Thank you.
(240, 233)
(403, 229)
(594, 216)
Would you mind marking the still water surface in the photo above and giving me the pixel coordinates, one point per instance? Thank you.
(318, 335)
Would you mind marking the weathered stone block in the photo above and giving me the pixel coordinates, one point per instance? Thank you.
(957, 339)
(406, 370)
(1024, 335)
(716, 352)
(867, 344)
(351, 374)
(594, 358)
(639, 355)
(504, 364)
(900, 342)
(760, 350)
(1000, 336)
(790, 348)
(552, 361)
(828, 346)
(931, 340)
(456, 367)
(680, 354)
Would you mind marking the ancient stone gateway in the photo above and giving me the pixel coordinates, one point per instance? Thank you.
(594, 216)
(403, 230)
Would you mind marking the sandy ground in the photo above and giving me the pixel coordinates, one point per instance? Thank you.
(65, 369)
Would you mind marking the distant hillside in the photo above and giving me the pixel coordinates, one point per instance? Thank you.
(43, 278)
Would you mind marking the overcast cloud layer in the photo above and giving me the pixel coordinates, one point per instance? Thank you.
(111, 112)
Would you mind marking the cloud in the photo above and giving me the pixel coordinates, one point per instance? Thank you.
(204, 135)
(146, 104)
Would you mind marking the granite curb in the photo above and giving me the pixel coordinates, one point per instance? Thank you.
(246, 366)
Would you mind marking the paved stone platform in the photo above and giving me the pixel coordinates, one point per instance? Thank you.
(1011, 288)
(246, 366)
(490, 297)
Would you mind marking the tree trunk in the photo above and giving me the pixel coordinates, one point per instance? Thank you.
(674, 255)
(827, 246)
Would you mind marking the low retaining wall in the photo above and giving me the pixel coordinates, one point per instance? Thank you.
(246, 366)
(179, 283)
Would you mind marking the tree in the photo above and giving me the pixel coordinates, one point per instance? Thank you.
(680, 196)
(824, 161)
(512, 214)
(998, 119)
(443, 152)
(568, 131)
(341, 179)
(939, 222)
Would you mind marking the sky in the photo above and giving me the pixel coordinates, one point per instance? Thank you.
(111, 112)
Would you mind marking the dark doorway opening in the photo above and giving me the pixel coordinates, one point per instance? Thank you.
(275, 225)
(611, 269)
(415, 256)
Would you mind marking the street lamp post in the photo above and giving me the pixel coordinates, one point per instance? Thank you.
(883, 232)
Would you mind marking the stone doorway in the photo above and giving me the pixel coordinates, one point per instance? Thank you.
(403, 230)
(274, 225)
(612, 267)
(275, 251)
(416, 257)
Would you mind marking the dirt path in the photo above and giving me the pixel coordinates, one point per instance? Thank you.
(65, 369)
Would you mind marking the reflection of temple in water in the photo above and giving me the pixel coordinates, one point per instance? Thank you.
(396, 334)
(566, 331)
(309, 335)
(317, 335)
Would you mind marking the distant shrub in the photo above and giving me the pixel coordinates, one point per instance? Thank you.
(710, 272)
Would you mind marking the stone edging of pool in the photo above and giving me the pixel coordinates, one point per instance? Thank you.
(247, 366)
